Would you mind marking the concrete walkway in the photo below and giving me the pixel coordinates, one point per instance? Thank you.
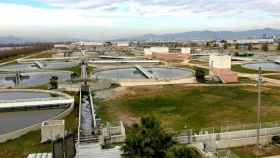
(94, 150)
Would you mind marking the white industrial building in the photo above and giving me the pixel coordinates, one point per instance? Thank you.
(163, 53)
(220, 66)
(220, 61)
(61, 46)
(93, 44)
(122, 44)
(159, 49)
(186, 50)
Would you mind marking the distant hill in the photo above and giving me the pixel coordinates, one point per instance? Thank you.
(11, 39)
(192, 35)
(208, 35)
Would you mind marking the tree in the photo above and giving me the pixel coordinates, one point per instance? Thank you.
(236, 54)
(265, 47)
(237, 46)
(200, 75)
(74, 76)
(54, 82)
(250, 46)
(181, 151)
(147, 140)
(278, 47)
(225, 45)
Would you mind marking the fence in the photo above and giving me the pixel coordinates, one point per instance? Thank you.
(114, 134)
(228, 133)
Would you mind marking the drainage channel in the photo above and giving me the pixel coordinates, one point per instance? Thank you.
(87, 117)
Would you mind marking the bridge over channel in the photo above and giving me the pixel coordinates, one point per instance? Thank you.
(144, 72)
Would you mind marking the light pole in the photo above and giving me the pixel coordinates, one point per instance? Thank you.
(259, 82)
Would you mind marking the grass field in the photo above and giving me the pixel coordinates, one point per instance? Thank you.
(181, 107)
(277, 77)
(30, 143)
(77, 69)
(239, 68)
(250, 151)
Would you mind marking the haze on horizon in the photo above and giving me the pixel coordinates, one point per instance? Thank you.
(110, 19)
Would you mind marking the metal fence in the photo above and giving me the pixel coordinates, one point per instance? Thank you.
(228, 133)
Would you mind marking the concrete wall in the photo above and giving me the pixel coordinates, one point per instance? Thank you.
(115, 134)
(52, 130)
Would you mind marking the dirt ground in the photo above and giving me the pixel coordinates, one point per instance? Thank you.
(250, 151)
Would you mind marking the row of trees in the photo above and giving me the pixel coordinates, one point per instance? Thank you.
(264, 47)
(38, 47)
(149, 140)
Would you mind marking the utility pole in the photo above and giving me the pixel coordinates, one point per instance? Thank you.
(259, 82)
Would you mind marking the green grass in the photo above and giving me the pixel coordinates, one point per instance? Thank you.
(30, 143)
(21, 147)
(243, 154)
(77, 69)
(277, 77)
(192, 107)
(239, 68)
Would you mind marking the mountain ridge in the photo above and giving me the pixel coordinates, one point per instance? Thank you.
(208, 35)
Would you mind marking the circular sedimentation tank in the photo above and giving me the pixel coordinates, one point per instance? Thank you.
(33, 66)
(17, 114)
(32, 78)
(14, 95)
(133, 73)
(266, 66)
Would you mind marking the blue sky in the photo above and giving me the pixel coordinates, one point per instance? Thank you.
(107, 19)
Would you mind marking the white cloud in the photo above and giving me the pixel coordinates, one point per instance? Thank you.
(168, 6)
(21, 15)
(128, 17)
